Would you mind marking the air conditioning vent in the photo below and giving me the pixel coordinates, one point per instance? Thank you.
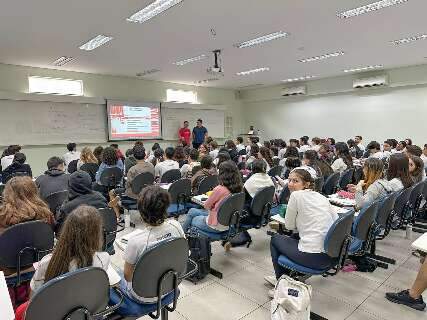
(378, 81)
(294, 91)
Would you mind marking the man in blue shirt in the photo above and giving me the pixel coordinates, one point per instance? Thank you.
(199, 134)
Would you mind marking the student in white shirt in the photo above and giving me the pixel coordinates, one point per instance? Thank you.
(152, 205)
(294, 143)
(239, 144)
(282, 150)
(416, 168)
(214, 149)
(387, 149)
(311, 215)
(8, 155)
(71, 155)
(265, 154)
(374, 149)
(398, 172)
(79, 246)
(193, 161)
(316, 144)
(304, 146)
(168, 164)
(343, 159)
(358, 140)
(253, 155)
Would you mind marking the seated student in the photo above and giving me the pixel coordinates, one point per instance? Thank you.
(120, 154)
(79, 192)
(130, 160)
(71, 155)
(304, 146)
(416, 169)
(193, 161)
(311, 215)
(424, 156)
(315, 142)
(408, 141)
(275, 155)
(282, 149)
(400, 146)
(168, 164)
(387, 149)
(325, 153)
(291, 152)
(152, 205)
(374, 149)
(290, 164)
(8, 155)
(413, 297)
(97, 152)
(253, 154)
(311, 159)
(413, 150)
(343, 159)
(239, 146)
(206, 219)
(179, 156)
(355, 151)
(214, 149)
(54, 179)
(18, 167)
(151, 153)
(294, 143)
(203, 150)
(394, 144)
(206, 169)
(373, 187)
(86, 157)
(110, 159)
(232, 150)
(398, 172)
(222, 157)
(265, 154)
(158, 156)
(358, 140)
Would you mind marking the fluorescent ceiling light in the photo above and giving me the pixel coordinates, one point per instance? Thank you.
(322, 57)
(206, 80)
(55, 86)
(245, 73)
(62, 60)
(369, 8)
(190, 60)
(262, 39)
(409, 39)
(152, 10)
(147, 72)
(299, 79)
(96, 42)
(378, 66)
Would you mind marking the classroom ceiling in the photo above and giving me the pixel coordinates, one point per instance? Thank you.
(35, 33)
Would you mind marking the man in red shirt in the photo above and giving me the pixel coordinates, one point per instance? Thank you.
(184, 134)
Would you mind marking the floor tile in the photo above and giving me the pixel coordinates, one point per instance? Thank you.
(187, 287)
(402, 278)
(362, 315)
(227, 264)
(215, 302)
(250, 283)
(329, 307)
(413, 263)
(259, 314)
(172, 316)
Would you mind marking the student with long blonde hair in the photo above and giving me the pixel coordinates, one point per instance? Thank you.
(86, 156)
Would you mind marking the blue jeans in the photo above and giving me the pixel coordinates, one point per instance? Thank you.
(197, 218)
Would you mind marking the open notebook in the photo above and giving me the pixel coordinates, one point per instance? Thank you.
(420, 243)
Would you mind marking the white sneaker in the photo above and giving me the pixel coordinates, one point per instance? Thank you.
(271, 280)
(271, 293)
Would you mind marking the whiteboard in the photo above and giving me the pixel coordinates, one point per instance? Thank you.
(42, 123)
(173, 118)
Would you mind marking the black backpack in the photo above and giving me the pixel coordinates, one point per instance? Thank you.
(200, 252)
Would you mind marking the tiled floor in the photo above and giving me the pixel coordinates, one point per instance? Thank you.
(242, 293)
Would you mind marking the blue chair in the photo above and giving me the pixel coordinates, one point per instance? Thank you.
(346, 178)
(156, 277)
(336, 246)
(229, 214)
(80, 295)
(415, 200)
(401, 209)
(180, 192)
(260, 208)
(331, 183)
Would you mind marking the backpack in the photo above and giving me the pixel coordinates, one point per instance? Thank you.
(200, 252)
(291, 300)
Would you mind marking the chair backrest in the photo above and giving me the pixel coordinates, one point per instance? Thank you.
(109, 221)
(275, 171)
(195, 170)
(69, 295)
(28, 240)
(141, 181)
(171, 176)
(56, 199)
(346, 178)
(156, 267)
(72, 166)
(416, 195)
(358, 174)
(230, 209)
(90, 168)
(330, 185)
(261, 202)
(284, 195)
(424, 190)
(364, 221)
(111, 177)
(180, 190)
(242, 152)
(338, 233)
(385, 208)
(402, 201)
(318, 184)
(207, 184)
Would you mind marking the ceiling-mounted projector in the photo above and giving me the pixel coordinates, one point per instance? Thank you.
(216, 69)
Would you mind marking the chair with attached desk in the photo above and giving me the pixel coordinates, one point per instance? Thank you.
(21, 245)
(79, 295)
(207, 184)
(180, 193)
(331, 183)
(229, 214)
(90, 168)
(171, 176)
(111, 178)
(346, 178)
(156, 277)
(55, 200)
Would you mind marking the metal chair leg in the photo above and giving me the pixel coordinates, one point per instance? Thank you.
(165, 314)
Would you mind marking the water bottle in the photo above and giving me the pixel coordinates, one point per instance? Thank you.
(409, 231)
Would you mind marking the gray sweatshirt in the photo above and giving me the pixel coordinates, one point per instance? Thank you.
(377, 190)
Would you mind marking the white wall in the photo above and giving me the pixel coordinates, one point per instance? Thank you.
(333, 109)
(14, 80)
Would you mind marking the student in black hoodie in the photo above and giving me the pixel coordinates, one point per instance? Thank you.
(18, 167)
(80, 192)
(54, 179)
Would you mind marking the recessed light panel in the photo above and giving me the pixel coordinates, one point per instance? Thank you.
(262, 39)
(190, 60)
(248, 72)
(409, 39)
(96, 42)
(152, 10)
(62, 61)
(369, 8)
(322, 57)
(299, 79)
(359, 69)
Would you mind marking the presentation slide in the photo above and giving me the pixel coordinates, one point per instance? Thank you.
(132, 121)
